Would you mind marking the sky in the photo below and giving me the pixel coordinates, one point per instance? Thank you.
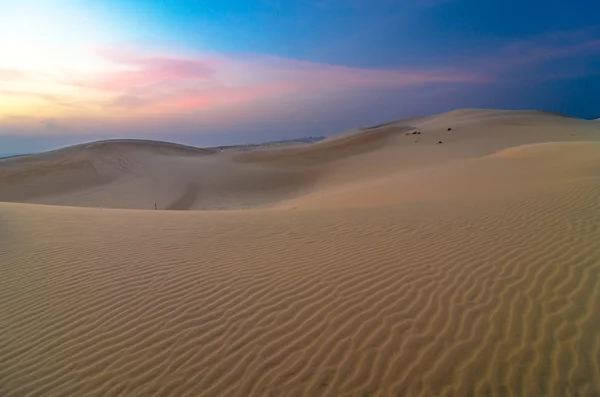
(216, 72)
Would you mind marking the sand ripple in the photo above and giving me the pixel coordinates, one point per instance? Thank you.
(492, 299)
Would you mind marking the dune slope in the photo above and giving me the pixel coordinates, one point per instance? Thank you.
(486, 297)
(137, 174)
(385, 267)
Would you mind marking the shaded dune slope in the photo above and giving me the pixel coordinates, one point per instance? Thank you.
(86, 165)
(137, 174)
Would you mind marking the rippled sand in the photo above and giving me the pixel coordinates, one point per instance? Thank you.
(364, 265)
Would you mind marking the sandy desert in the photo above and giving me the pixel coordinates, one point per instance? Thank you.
(450, 255)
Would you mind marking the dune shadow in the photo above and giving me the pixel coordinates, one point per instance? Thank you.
(186, 200)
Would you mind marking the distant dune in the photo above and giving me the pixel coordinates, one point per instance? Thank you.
(6, 155)
(136, 174)
(448, 255)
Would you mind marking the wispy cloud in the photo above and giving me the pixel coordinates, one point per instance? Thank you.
(10, 74)
(197, 82)
(136, 83)
(143, 71)
(542, 49)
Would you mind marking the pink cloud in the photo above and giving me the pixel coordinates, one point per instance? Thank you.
(149, 71)
(10, 74)
(203, 81)
(222, 96)
(198, 99)
(255, 70)
(171, 83)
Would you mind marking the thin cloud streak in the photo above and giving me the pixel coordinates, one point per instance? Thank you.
(542, 49)
(228, 79)
(10, 74)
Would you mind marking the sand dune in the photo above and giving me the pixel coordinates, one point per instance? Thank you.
(136, 174)
(507, 173)
(366, 264)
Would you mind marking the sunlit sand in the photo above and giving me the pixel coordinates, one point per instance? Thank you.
(463, 260)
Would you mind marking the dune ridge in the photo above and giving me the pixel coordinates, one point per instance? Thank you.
(385, 267)
(136, 174)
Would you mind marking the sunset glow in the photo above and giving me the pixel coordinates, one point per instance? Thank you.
(71, 61)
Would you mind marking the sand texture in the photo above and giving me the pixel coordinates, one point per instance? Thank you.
(374, 263)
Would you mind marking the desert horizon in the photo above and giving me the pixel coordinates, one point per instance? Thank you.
(300, 198)
(456, 254)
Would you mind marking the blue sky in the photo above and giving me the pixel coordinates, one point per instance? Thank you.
(208, 72)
